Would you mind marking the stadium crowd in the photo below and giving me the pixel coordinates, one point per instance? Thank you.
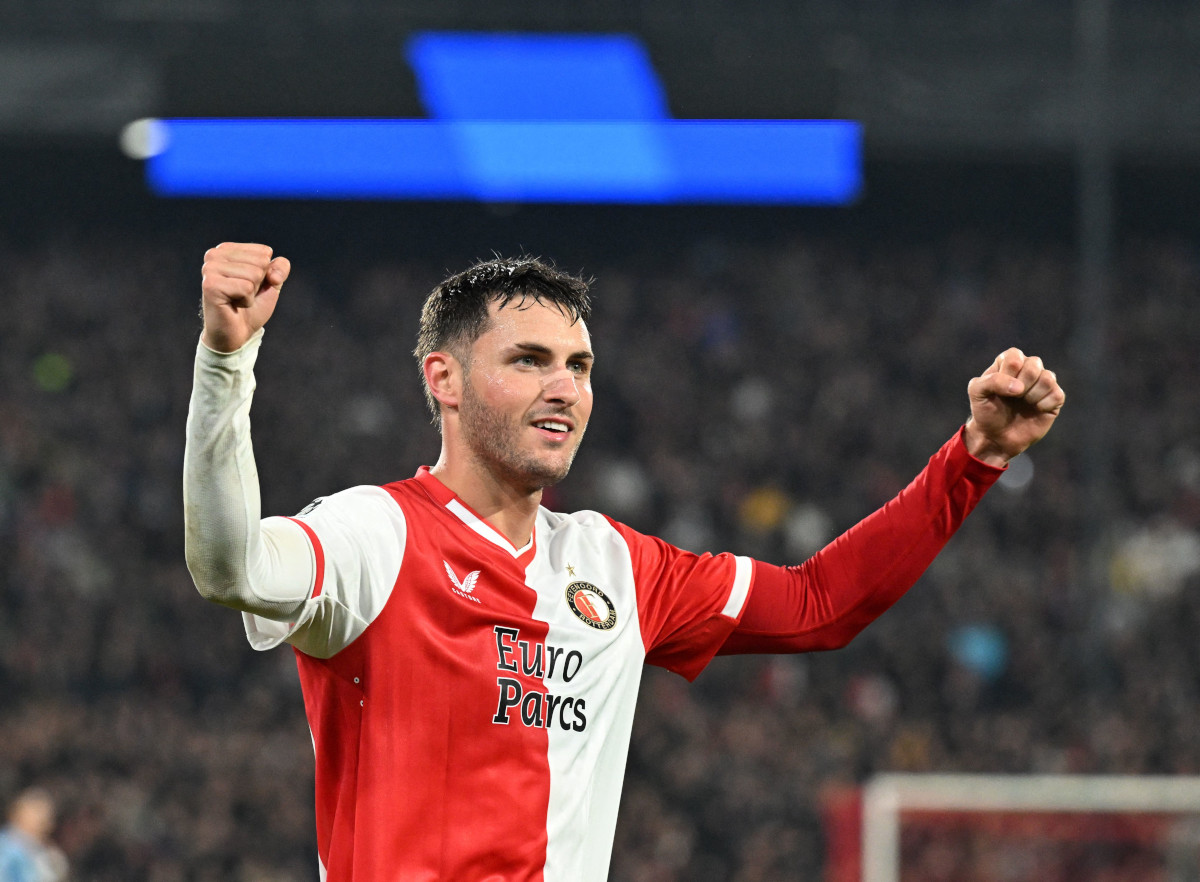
(757, 398)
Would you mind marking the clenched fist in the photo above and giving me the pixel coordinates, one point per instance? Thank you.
(1013, 404)
(241, 283)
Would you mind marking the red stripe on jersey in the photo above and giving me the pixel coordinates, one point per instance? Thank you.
(431, 728)
(318, 553)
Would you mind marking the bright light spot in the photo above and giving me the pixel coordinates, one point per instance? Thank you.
(1018, 475)
(144, 138)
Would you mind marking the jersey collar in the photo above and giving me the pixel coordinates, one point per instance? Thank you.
(445, 497)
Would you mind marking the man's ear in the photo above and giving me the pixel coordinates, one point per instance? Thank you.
(444, 376)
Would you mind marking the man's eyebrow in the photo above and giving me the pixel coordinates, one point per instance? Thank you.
(539, 349)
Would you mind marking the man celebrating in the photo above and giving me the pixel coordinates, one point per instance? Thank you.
(470, 660)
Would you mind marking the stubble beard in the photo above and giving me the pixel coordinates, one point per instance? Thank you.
(495, 441)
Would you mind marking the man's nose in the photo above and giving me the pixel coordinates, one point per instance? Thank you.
(560, 386)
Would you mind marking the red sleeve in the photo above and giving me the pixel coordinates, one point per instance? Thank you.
(688, 603)
(827, 600)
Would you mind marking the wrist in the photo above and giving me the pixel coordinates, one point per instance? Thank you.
(224, 345)
(982, 447)
(220, 342)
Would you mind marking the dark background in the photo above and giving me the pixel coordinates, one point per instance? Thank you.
(1031, 180)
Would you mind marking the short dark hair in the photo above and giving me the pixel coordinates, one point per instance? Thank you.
(455, 313)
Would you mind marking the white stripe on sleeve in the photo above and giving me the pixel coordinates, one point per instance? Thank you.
(743, 571)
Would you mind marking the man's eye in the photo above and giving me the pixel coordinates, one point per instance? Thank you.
(528, 360)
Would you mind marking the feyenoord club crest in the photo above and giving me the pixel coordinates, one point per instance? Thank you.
(591, 606)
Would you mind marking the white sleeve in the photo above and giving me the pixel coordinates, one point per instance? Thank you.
(264, 568)
(357, 539)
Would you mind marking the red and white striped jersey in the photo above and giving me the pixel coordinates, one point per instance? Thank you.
(470, 702)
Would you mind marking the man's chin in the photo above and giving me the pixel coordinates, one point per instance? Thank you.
(543, 479)
(544, 475)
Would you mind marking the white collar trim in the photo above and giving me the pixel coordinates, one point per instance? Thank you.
(484, 529)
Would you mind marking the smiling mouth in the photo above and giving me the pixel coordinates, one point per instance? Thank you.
(556, 431)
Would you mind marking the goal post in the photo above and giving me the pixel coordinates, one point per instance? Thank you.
(1148, 812)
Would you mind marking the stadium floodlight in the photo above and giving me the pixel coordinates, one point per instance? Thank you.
(1115, 814)
(518, 118)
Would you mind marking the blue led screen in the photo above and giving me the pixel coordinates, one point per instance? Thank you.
(516, 118)
(535, 76)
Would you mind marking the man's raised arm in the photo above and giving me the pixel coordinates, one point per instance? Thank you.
(824, 602)
(258, 567)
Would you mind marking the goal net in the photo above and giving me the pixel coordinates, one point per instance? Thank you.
(1030, 828)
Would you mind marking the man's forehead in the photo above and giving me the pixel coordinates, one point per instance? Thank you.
(528, 315)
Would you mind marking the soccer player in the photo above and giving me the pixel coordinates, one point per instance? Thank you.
(470, 660)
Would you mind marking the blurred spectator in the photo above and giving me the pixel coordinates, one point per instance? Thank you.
(26, 852)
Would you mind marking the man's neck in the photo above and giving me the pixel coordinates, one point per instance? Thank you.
(508, 510)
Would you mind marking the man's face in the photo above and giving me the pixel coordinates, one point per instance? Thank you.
(527, 394)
